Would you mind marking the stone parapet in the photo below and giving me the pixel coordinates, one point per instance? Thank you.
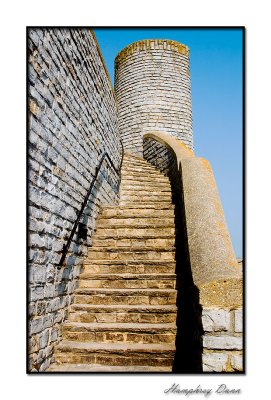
(211, 254)
(151, 44)
(214, 267)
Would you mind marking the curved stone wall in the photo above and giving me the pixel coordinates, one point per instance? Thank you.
(213, 262)
(158, 155)
(212, 257)
(152, 86)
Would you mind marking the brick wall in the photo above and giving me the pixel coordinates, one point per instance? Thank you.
(222, 340)
(152, 85)
(72, 121)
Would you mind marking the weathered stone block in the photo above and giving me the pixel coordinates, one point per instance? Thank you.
(50, 273)
(31, 309)
(237, 362)
(45, 364)
(37, 274)
(49, 290)
(41, 308)
(53, 305)
(36, 240)
(54, 334)
(238, 320)
(215, 362)
(222, 342)
(36, 293)
(44, 338)
(33, 344)
(48, 321)
(36, 326)
(215, 320)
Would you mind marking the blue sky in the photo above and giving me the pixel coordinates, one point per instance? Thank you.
(216, 83)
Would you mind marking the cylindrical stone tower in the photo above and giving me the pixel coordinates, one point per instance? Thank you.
(152, 86)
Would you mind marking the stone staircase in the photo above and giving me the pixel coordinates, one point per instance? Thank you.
(124, 312)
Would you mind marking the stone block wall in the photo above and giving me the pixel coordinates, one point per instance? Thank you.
(165, 161)
(158, 155)
(222, 340)
(152, 85)
(72, 121)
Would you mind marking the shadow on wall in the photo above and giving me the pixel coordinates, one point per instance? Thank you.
(68, 273)
(188, 356)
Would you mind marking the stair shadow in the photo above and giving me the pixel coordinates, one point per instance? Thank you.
(188, 356)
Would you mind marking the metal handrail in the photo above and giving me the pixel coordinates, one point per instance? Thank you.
(117, 170)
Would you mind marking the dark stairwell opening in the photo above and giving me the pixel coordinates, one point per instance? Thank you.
(188, 356)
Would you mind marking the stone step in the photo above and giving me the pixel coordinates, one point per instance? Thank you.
(147, 204)
(128, 170)
(129, 267)
(131, 182)
(146, 187)
(133, 222)
(135, 233)
(146, 168)
(105, 368)
(132, 156)
(147, 198)
(131, 212)
(135, 159)
(127, 281)
(123, 253)
(123, 313)
(139, 172)
(145, 190)
(115, 354)
(143, 180)
(142, 162)
(122, 242)
(138, 160)
(125, 296)
(136, 197)
(119, 332)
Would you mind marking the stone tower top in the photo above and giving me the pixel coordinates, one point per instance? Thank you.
(152, 86)
(147, 44)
